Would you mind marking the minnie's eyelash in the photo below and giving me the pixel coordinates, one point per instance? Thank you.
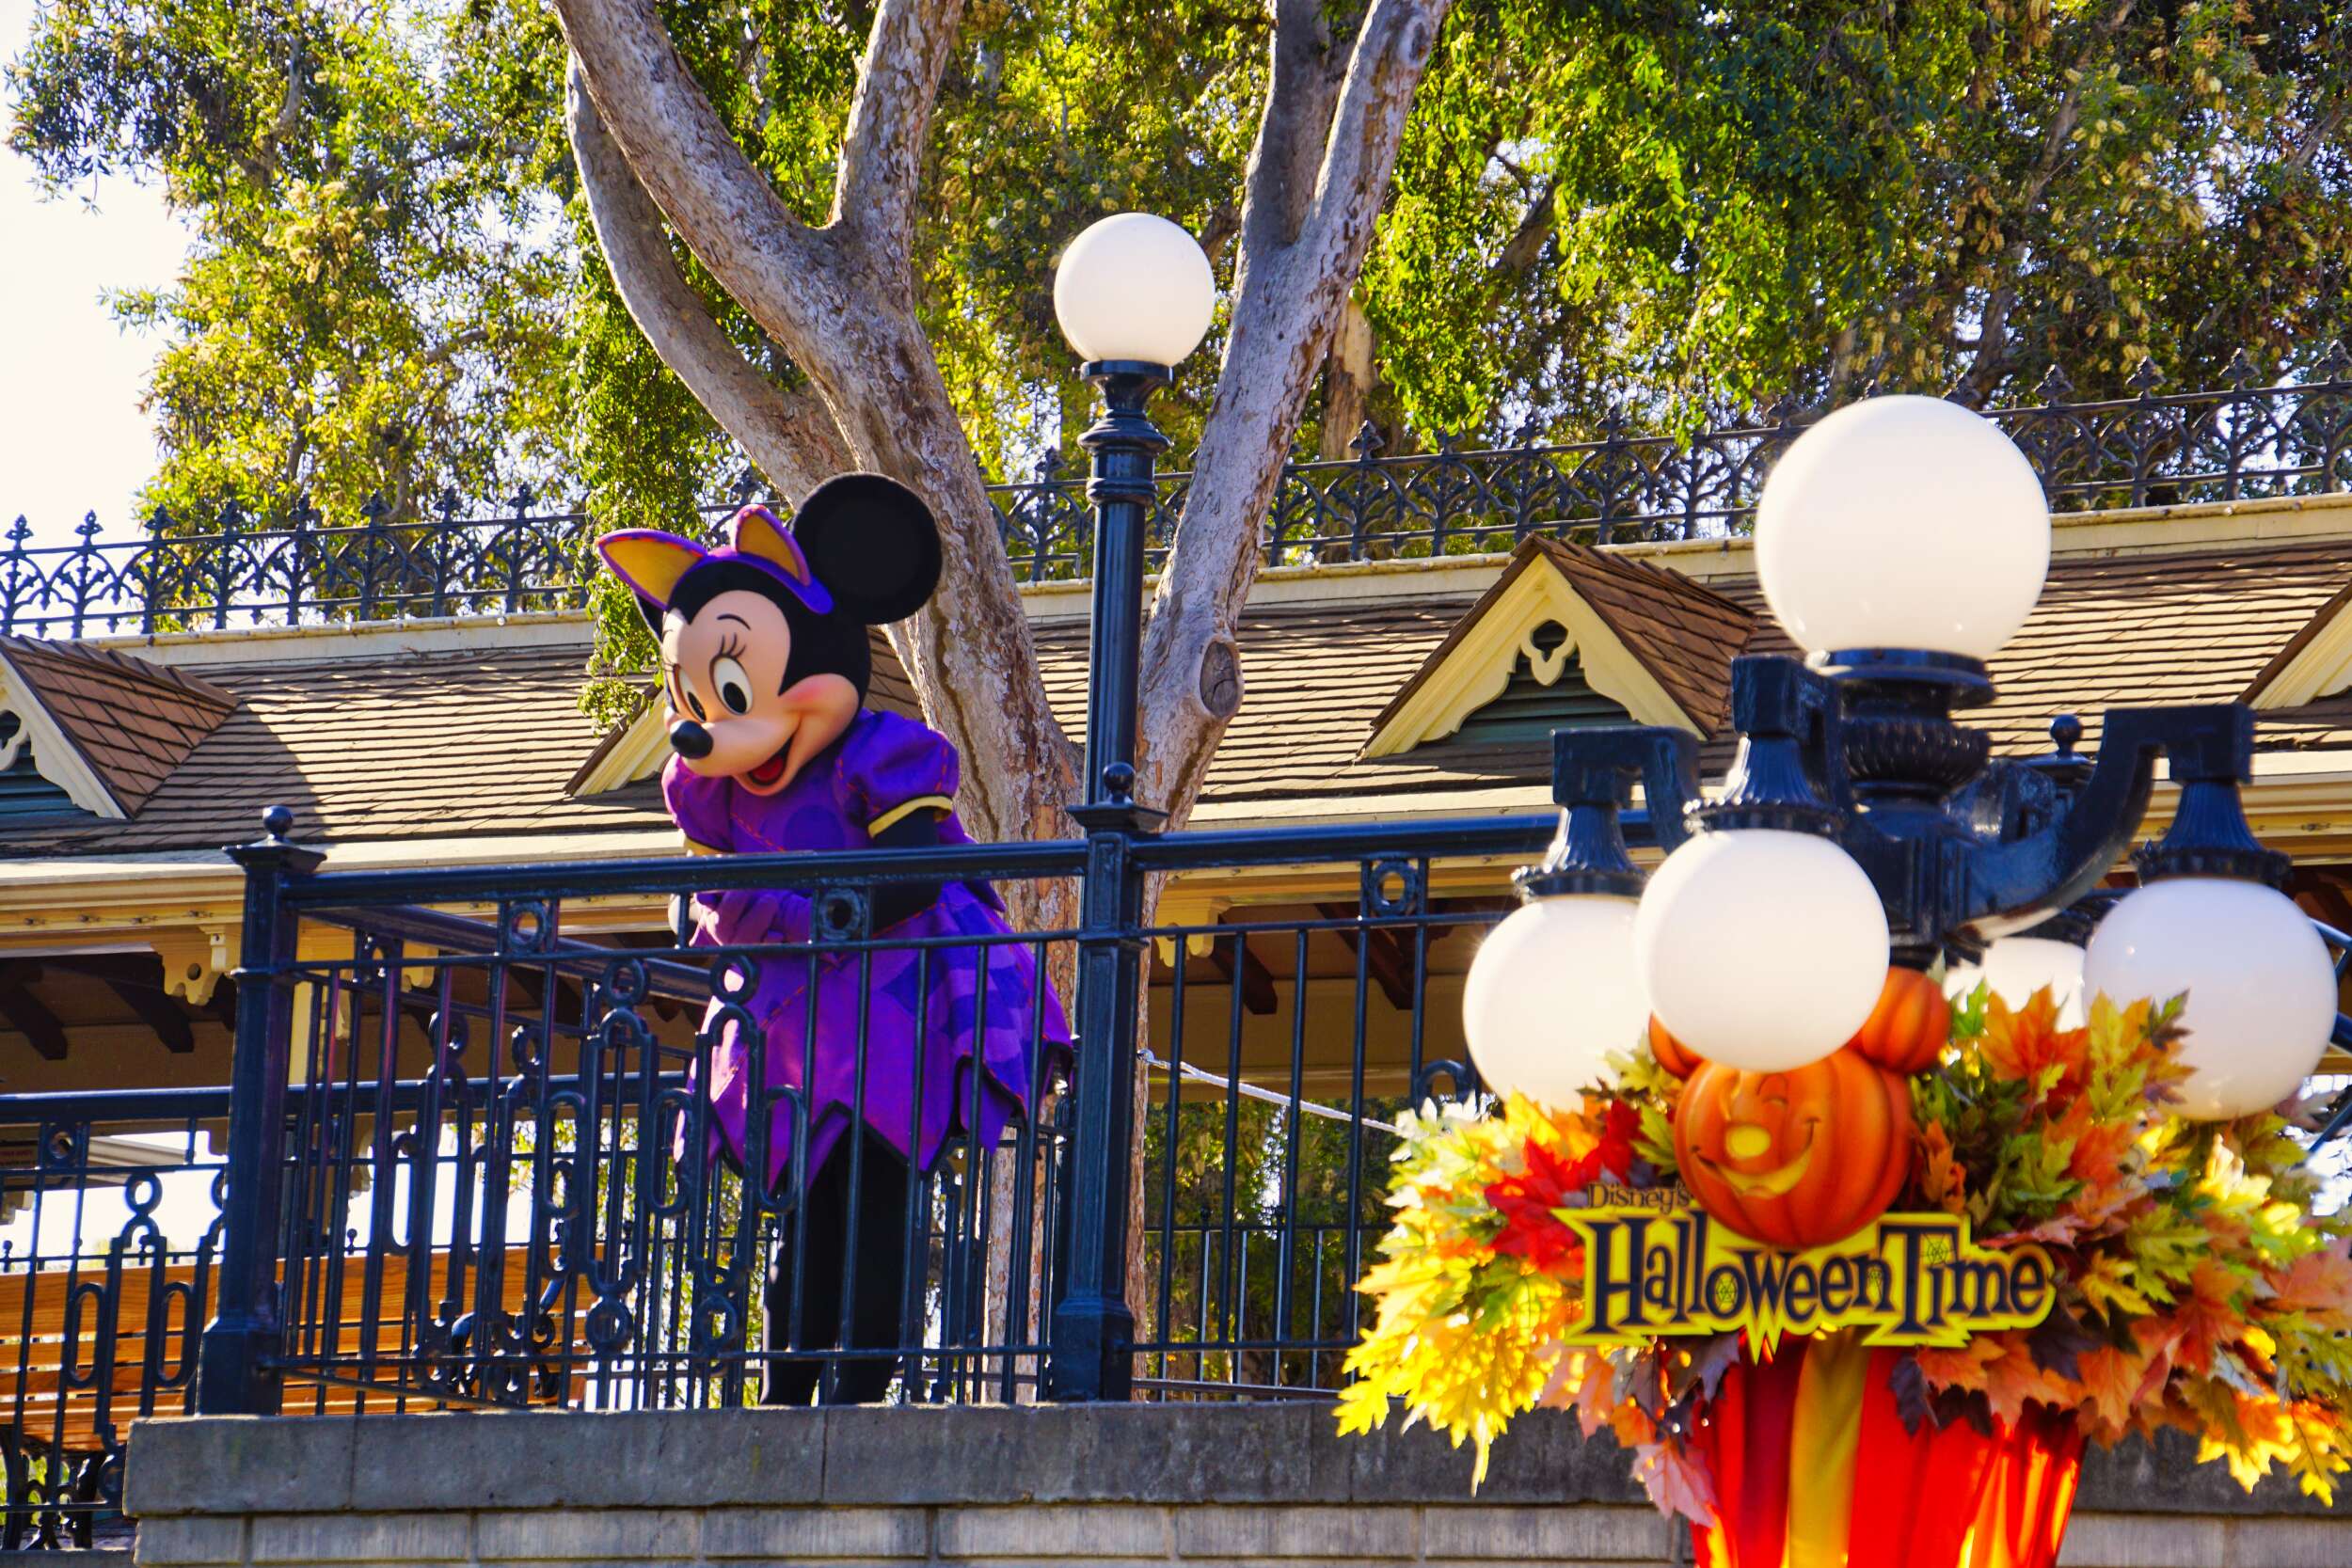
(731, 648)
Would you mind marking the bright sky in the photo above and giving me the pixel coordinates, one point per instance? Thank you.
(72, 436)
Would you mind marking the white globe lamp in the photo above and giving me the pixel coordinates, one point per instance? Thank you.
(1761, 948)
(1552, 991)
(2016, 967)
(2261, 990)
(1902, 522)
(1133, 287)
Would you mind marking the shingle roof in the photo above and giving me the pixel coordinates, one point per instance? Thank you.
(477, 741)
(2147, 629)
(482, 741)
(2187, 627)
(409, 745)
(133, 722)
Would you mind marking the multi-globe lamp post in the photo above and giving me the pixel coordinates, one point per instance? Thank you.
(1901, 542)
(1133, 295)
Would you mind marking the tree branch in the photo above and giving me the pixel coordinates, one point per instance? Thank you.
(840, 308)
(882, 147)
(1368, 126)
(2322, 136)
(1301, 83)
(1296, 267)
(721, 206)
(788, 435)
(1527, 241)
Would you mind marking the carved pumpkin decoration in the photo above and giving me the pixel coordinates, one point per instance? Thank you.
(1906, 1031)
(1796, 1159)
(1670, 1053)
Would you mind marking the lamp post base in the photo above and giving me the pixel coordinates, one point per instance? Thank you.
(1094, 1357)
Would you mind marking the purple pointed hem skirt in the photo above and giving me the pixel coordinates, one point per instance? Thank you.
(930, 1017)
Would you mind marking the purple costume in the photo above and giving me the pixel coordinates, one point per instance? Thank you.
(982, 1003)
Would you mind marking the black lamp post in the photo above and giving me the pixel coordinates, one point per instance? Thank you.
(1134, 294)
(236, 1373)
(1862, 823)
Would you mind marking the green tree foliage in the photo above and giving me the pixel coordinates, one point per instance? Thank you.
(1689, 207)
(373, 303)
(1682, 207)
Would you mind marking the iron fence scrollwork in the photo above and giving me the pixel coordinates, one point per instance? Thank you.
(2237, 441)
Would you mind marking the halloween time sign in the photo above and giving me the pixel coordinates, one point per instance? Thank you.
(1653, 1266)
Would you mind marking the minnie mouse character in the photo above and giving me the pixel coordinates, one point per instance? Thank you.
(765, 665)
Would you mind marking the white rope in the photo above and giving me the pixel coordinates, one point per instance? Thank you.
(1199, 1075)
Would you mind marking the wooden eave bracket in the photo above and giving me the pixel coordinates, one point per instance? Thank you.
(195, 958)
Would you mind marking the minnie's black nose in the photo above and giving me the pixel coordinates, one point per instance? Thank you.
(689, 739)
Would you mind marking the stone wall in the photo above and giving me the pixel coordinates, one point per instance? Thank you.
(1229, 1484)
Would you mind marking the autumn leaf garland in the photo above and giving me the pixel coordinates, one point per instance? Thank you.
(2199, 1286)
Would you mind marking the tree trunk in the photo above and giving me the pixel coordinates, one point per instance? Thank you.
(1302, 244)
(839, 300)
(1350, 377)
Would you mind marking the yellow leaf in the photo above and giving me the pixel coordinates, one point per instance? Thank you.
(2106, 1286)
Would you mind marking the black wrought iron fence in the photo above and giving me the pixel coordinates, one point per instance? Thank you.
(2233, 443)
(507, 1172)
(109, 1242)
(551, 1209)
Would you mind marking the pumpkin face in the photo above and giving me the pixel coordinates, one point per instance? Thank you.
(1796, 1159)
(1670, 1053)
(1906, 1031)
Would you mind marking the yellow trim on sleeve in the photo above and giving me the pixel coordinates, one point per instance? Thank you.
(696, 847)
(898, 814)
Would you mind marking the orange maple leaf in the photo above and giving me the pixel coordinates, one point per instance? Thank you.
(2099, 1146)
(2113, 1381)
(1942, 1182)
(2024, 1043)
(1596, 1396)
(2207, 1318)
(1677, 1483)
(1631, 1425)
(2158, 1339)
(1962, 1366)
(2318, 1284)
(2013, 1378)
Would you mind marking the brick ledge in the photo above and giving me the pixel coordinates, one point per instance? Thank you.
(934, 1457)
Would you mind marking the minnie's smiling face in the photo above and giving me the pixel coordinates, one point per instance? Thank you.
(765, 658)
(724, 668)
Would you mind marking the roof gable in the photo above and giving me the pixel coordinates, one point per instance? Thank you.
(104, 727)
(2316, 661)
(1650, 639)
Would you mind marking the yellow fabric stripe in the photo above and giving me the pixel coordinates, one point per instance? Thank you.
(1821, 1445)
(694, 848)
(898, 814)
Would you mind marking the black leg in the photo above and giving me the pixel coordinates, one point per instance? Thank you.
(791, 1379)
(877, 1256)
(878, 1252)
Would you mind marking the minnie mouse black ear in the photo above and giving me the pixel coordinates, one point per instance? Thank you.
(872, 543)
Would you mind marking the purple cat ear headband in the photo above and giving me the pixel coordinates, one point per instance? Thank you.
(653, 563)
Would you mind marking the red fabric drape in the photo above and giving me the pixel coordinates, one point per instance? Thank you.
(1948, 1498)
